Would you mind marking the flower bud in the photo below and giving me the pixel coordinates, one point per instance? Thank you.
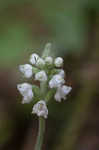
(33, 58)
(40, 62)
(41, 76)
(49, 60)
(58, 62)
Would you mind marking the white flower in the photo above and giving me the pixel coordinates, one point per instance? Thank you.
(40, 109)
(33, 58)
(40, 62)
(26, 70)
(49, 60)
(56, 81)
(41, 76)
(58, 62)
(62, 92)
(62, 73)
(25, 90)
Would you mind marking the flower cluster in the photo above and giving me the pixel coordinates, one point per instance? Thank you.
(47, 70)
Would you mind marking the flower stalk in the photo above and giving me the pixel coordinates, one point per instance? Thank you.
(41, 129)
(41, 132)
(48, 72)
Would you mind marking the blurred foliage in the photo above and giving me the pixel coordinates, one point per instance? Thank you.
(6, 130)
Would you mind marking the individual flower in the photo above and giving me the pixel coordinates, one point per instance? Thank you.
(25, 90)
(40, 109)
(62, 92)
(56, 81)
(41, 76)
(26, 70)
(62, 73)
(49, 60)
(58, 62)
(40, 62)
(33, 58)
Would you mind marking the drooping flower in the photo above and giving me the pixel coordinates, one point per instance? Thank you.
(62, 92)
(33, 58)
(58, 62)
(41, 76)
(40, 109)
(25, 90)
(26, 70)
(56, 81)
(49, 60)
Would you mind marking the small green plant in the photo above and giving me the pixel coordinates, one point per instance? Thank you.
(48, 71)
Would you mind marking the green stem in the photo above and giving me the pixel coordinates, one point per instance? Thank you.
(40, 133)
(41, 130)
(43, 89)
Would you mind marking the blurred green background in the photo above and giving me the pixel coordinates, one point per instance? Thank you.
(73, 29)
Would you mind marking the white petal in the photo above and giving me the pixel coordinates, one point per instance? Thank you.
(25, 90)
(62, 92)
(26, 70)
(57, 97)
(56, 81)
(40, 109)
(66, 89)
(62, 73)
